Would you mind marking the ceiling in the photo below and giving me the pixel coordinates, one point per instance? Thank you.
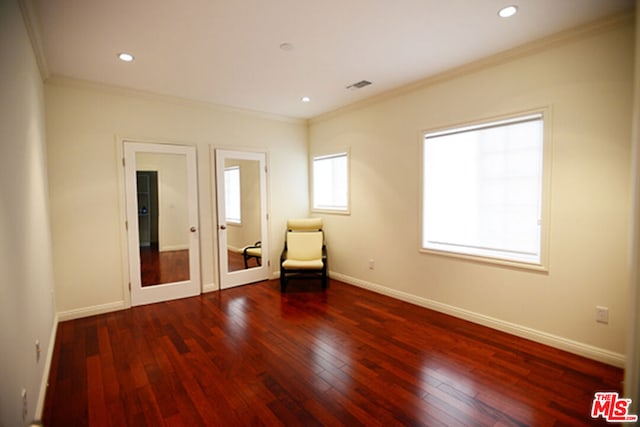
(229, 51)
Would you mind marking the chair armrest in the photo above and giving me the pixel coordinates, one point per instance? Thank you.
(256, 245)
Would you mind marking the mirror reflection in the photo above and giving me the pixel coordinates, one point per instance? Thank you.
(242, 213)
(163, 222)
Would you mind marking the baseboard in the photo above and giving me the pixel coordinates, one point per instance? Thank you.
(234, 248)
(169, 248)
(209, 287)
(91, 311)
(575, 347)
(44, 383)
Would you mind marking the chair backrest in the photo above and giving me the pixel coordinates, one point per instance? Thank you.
(305, 224)
(304, 239)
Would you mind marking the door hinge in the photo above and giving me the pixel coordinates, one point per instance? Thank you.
(129, 286)
(123, 164)
(126, 225)
(269, 263)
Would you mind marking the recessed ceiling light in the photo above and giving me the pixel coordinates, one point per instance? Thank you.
(305, 99)
(286, 46)
(508, 11)
(126, 57)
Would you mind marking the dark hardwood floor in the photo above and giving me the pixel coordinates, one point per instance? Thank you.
(345, 357)
(236, 261)
(163, 267)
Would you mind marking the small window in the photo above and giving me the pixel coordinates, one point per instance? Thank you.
(483, 190)
(232, 195)
(331, 183)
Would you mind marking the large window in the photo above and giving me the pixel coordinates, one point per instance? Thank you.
(331, 183)
(483, 190)
(232, 195)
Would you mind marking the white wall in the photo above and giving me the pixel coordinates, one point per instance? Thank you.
(84, 123)
(27, 306)
(587, 80)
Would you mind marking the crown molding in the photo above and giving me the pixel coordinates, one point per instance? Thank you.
(56, 80)
(31, 24)
(554, 40)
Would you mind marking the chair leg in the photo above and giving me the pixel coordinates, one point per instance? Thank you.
(283, 282)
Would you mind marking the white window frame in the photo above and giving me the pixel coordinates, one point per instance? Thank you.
(344, 210)
(229, 195)
(496, 257)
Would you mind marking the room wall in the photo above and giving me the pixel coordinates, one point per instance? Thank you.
(84, 125)
(27, 306)
(585, 76)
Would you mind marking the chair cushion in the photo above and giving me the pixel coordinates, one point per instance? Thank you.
(302, 265)
(304, 246)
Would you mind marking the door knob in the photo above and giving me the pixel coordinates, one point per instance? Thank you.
(223, 227)
(193, 229)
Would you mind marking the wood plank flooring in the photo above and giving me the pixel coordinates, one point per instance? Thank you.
(163, 267)
(235, 261)
(345, 357)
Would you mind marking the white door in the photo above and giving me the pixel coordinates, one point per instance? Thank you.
(162, 221)
(243, 246)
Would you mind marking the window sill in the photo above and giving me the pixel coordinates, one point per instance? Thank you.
(520, 265)
(331, 211)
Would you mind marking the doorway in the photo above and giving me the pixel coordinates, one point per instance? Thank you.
(243, 246)
(162, 221)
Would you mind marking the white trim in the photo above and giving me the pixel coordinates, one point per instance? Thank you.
(79, 313)
(235, 278)
(210, 287)
(144, 295)
(323, 155)
(550, 42)
(44, 381)
(543, 113)
(31, 24)
(169, 248)
(59, 80)
(122, 208)
(571, 346)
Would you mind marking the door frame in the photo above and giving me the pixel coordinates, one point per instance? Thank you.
(226, 278)
(162, 292)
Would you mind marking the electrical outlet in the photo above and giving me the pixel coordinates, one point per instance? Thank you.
(602, 314)
(371, 264)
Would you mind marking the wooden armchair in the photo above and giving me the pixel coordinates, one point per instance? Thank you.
(252, 251)
(305, 252)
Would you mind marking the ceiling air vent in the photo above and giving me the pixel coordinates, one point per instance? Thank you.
(359, 85)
